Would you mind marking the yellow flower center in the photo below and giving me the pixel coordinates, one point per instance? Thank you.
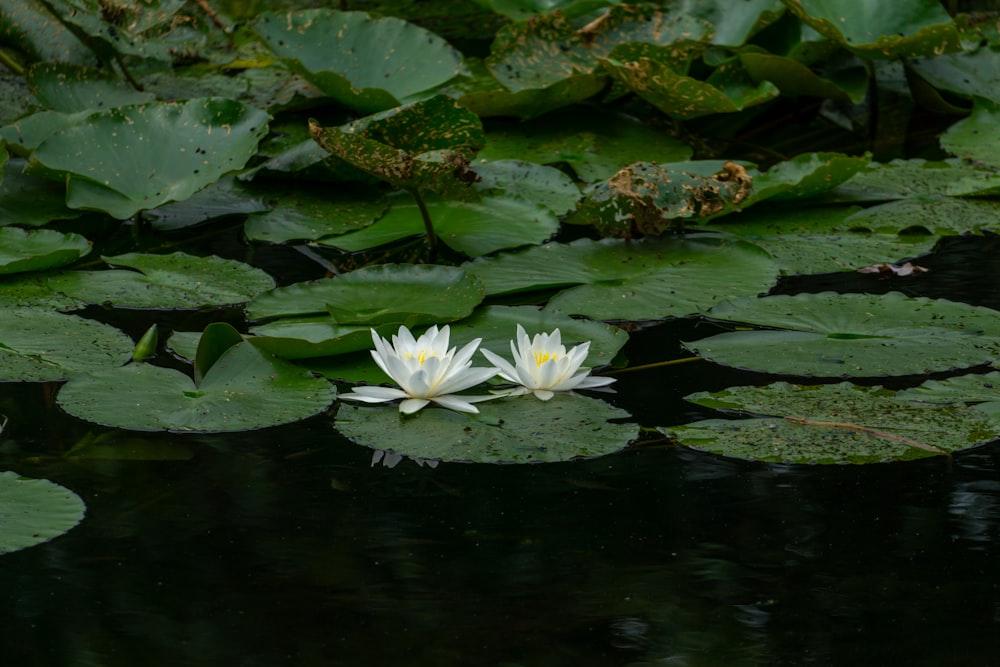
(420, 356)
(542, 357)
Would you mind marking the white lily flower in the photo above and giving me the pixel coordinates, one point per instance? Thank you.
(542, 365)
(426, 371)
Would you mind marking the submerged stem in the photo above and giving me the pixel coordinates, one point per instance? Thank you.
(425, 214)
(11, 64)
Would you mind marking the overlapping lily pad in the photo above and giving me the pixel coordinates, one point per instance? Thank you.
(840, 423)
(245, 389)
(517, 430)
(177, 280)
(368, 64)
(41, 345)
(852, 335)
(414, 294)
(136, 157)
(33, 511)
(632, 280)
(22, 251)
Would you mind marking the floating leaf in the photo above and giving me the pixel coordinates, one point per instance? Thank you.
(805, 175)
(840, 423)
(31, 201)
(22, 251)
(518, 430)
(852, 335)
(976, 137)
(522, 9)
(974, 73)
(876, 29)
(246, 389)
(33, 511)
(935, 213)
(518, 204)
(298, 214)
(416, 294)
(908, 178)
(177, 280)
(41, 345)
(733, 24)
(819, 239)
(977, 389)
(69, 88)
(595, 143)
(367, 64)
(645, 199)
(629, 280)
(221, 199)
(135, 158)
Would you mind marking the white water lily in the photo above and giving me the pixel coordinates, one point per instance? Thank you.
(542, 365)
(426, 371)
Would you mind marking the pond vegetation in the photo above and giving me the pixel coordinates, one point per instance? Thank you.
(209, 212)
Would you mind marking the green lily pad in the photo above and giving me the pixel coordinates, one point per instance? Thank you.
(629, 280)
(388, 293)
(177, 280)
(33, 511)
(29, 200)
(149, 154)
(976, 137)
(69, 88)
(42, 346)
(823, 239)
(733, 24)
(973, 73)
(518, 430)
(909, 178)
(309, 337)
(795, 79)
(28, 132)
(840, 423)
(852, 335)
(935, 213)
(367, 64)
(246, 389)
(517, 204)
(32, 290)
(875, 29)
(34, 250)
(221, 199)
(978, 391)
(121, 30)
(594, 142)
(805, 175)
(298, 214)
(40, 34)
(523, 9)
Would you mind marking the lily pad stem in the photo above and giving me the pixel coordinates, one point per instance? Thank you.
(11, 64)
(425, 214)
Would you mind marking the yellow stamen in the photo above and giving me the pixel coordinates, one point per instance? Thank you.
(420, 356)
(542, 357)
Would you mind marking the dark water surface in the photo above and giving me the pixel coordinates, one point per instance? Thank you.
(286, 547)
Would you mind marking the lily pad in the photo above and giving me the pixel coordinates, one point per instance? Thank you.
(976, 137)
(134, 158)
(29, 200)
(909, 178)
(805, 175)
(34, 250)
(177, 280)
(631, 280)
(246, 389)
(221, 199)
(974, 73)
(367, 64)
(33, 511)
(517, 430)
(823, 239)
(852, 335)
(517, 203)
(298, 214)
(69, 88)
(388, 293)
(594, 142)
(43, 346)
(875, 29)
(935, 213)
(840, 423)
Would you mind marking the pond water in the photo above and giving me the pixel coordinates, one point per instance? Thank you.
(287, 547)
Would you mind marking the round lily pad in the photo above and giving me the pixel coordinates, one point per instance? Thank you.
(840, 423)
(246, 389)
(40, 345)
(34, 250)
(414, 294)
(33, 511)
(512, 430)
(852, 335)
(177, 280)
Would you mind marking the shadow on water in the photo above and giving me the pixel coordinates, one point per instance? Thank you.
(286, 547)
